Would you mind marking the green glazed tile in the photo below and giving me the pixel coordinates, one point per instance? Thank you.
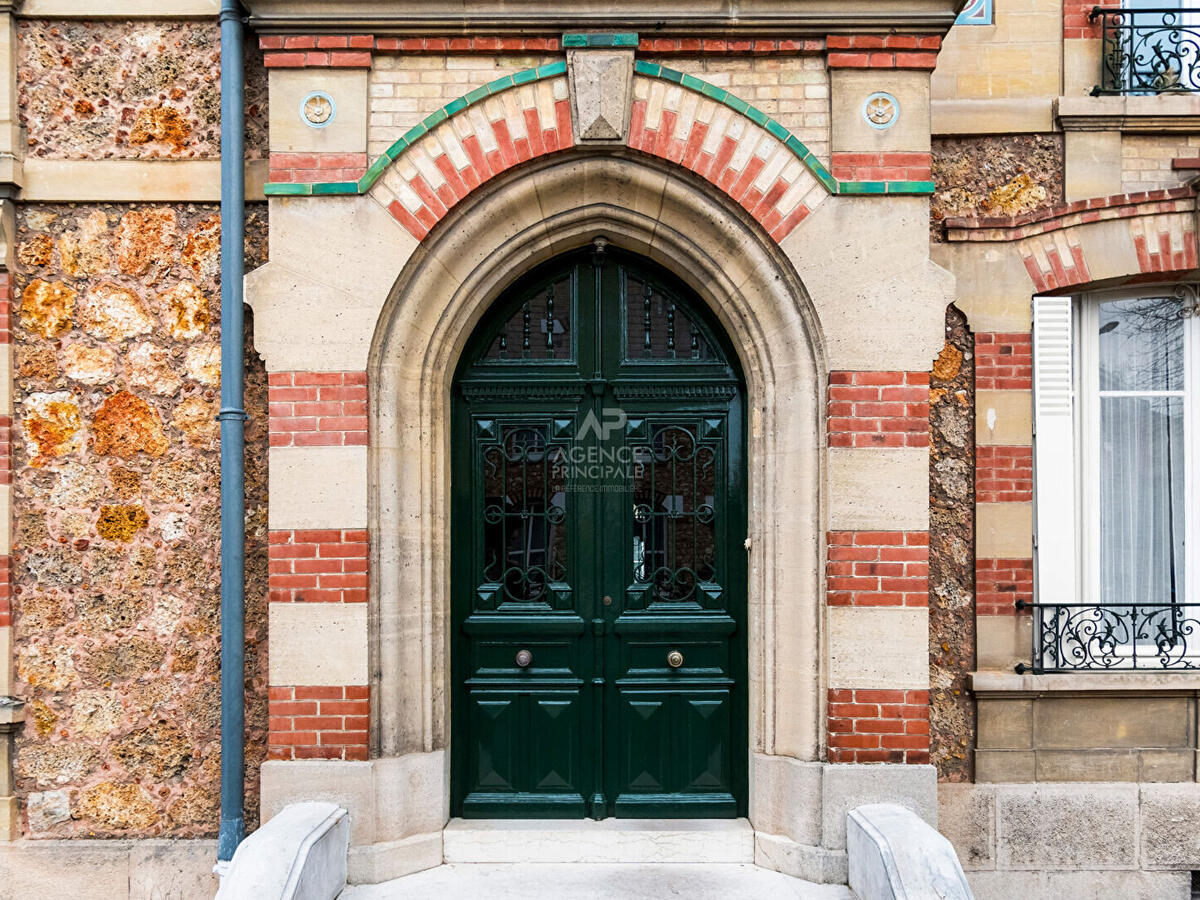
(500, 84)
(736, 103)
(714, 92)
(757, 116)
(455, 106)
(625, 39)
(911, 187)
(276, 189)
(574, 40)
(434, 118)
(374, 170)
(524, 76)
(670, 74)
(549, 70)
(693, 83)
(415, 133)
(777, 130)
(335, 187)
(476, 95)
(863, 187)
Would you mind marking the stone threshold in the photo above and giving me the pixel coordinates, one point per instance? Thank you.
(646, 841)
(1001, 682)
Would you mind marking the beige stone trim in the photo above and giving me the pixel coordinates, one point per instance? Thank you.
(318, 487)
(993, 286)
(5, 519)
(1004, 530)
(1174, 111)
(347, 133)
(879, 489)
(1003, 418)
(849, 89)
(1003, 641)
(1081, 65)
(1092, 165)
(318, 643)
(119, 9)
(6, 671)
(998, 116)
(132, 180)
(905, 300)
(878, 647)
(1083, 682)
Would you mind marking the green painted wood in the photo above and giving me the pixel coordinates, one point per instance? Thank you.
(598, 451)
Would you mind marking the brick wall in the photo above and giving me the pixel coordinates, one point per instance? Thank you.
(1000, 583)
(1004, 474)
(318, 722)
(1075, 20)
(878, 409)
(878, 51)
(1003, 361)
(873, 726)
(310, 167)
(318, 566)
(1146, 161)
(318, 409)
(877, 568)
(882, 166)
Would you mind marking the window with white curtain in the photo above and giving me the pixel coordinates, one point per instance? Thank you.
(1117, 395)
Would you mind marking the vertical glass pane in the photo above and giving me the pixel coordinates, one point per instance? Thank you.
(656, 327)
(1141, 500)
(674, 538)
(1141, 344)
(524, 514)
(540, 329)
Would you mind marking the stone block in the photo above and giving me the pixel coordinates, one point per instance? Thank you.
(818, 864)
(879, 489)
(318, 643)
(411, 796)
(1003, 641)
(1107, 885)
(996, 885)
(1004, 418)
(878, 647)
(1168, 765)
(1067, 826)
(783, 792)
(1004, 765)
(1004, 530)
(1170, 827)
(846, 786)
(318, 487)
(849, 89)
(345, 133)
(62, 869)
(385, 860)
(601, 94)
(1112, 722)
(1087, 765)
(1005, 724)
(45, 809)
(172, 870)
(967, 816)
(1093, 164)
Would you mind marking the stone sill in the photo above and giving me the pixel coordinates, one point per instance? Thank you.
(1163, 112)
(1010, 683)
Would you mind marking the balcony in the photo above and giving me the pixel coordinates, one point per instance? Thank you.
(1081, 637)
(1148, 51)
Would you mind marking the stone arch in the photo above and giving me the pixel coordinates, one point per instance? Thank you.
(487, 242)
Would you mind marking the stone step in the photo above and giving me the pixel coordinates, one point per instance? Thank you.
(607, 841)
(554, 881)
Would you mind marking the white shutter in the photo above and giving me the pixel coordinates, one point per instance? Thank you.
(1055, 544)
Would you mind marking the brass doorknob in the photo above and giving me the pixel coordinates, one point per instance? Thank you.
(674, 659)
(524, 658)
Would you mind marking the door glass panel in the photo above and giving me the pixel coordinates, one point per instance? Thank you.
(657, 326)
(540, 329)
(674, 514)
(524, 513)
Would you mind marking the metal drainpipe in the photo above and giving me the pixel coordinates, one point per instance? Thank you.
(232, 417)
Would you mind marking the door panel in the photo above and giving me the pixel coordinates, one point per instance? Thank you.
(598, 642)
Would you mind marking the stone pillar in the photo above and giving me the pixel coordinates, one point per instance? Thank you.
(12, 720)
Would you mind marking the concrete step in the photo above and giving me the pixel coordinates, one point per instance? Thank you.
(555, 881)
(608, 841)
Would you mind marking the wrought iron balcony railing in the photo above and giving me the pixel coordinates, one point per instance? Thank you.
(1148, 51)
(1080, 637)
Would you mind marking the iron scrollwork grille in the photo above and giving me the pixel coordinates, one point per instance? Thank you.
(1148, 51)
(1146, 637)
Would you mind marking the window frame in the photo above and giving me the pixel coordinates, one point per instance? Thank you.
(1086, 386)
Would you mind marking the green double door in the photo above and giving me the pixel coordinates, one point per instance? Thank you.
(597, 552)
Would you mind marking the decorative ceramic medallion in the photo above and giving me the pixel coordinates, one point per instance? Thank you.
(881, 110)
(317, 109)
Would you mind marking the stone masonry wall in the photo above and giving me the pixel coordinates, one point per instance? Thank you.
(116, 540)
(97, 90)
(1146, 161)
(951, 552)
(995, 176)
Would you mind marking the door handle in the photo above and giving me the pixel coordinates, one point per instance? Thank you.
(674, 659)
(524, 658)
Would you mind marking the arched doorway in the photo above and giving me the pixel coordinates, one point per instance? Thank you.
(598, 574)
